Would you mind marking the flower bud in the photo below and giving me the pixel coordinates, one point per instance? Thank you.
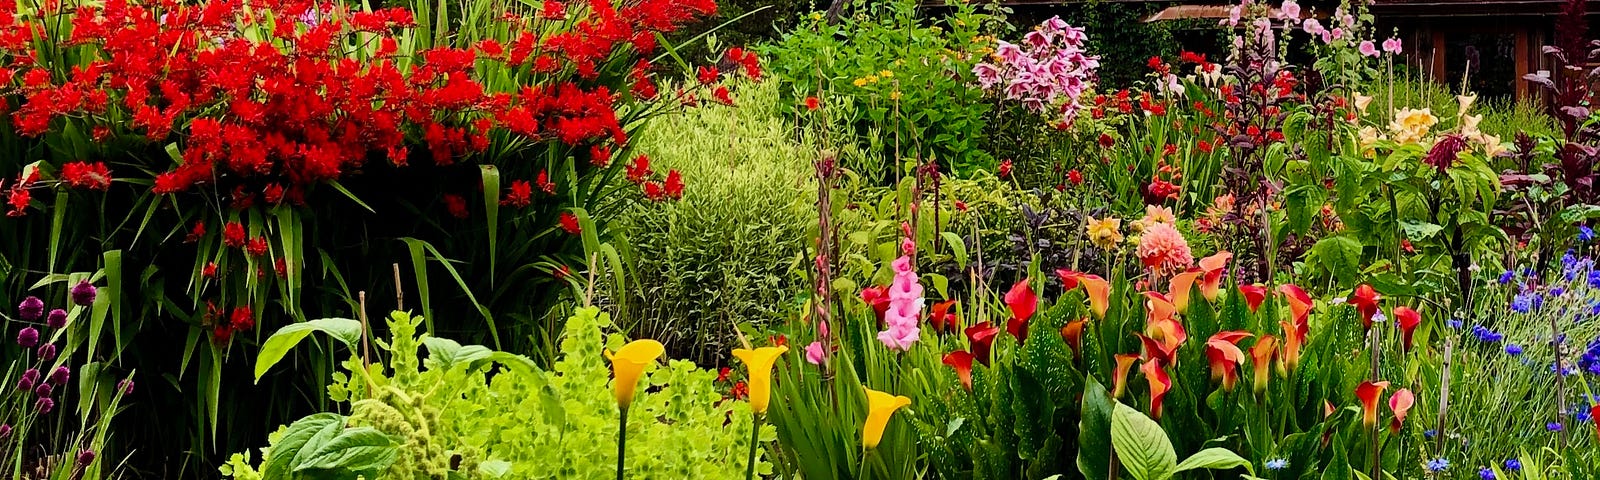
(47, 352)
(60, 375)
(44, 405)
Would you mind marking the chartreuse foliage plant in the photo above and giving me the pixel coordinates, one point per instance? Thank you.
(470, 412)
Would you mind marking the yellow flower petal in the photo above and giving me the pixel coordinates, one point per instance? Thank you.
(758, 363)
(629, 363)
(880, 406)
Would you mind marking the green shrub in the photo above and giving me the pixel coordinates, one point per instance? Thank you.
(723, 253)
(467, 412)
(1501, 117)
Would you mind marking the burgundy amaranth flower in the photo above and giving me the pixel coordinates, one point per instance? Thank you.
(1445, 151)
(56, 319)
(30, 309)
(83, 294)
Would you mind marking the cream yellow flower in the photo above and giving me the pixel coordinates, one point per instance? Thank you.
(1369, 136)
(872, 79)
(895, 95)
(1105, 233)
(1464, 102)
(1154, 214)
(1410, 125)
(1469, 123)
(1362, 101)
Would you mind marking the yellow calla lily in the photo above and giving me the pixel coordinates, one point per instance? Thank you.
(880, 406)
(759, 364)
(629, 362)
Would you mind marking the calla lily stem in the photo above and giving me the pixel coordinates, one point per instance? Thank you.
(755, 438)
(622, 441)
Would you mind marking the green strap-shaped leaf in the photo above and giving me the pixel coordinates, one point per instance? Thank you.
(345, 330)
(1214, 459)
(1142, 445)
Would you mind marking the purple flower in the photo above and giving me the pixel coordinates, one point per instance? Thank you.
(5, 431)
(1514, 465)
(85, 457)
(1486, 473)
(1553, 426)
(1513, 349)
(29, 378)
(44, 390)
(47, 352)
(83, 294)
(44, 405)
(28, 337)
(30, 309)
(60, 375)
(126, 386)
(56, 319)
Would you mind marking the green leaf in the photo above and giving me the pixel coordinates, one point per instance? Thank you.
(448, 353)
(355, 450)
(1142, 445)
(958, 248)
(280, 464)
(345, 330)
(1094, 431)
(1341, 255)
(1418, 230)
(1214, 459)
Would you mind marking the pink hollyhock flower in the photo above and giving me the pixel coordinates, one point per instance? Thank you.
(1338, 33)
(1162, 248)
(1392, 46)
(1368, 48)
(1289, 10)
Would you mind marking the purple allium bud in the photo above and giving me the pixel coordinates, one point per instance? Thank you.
(47, 352)
(126, 386)
(5, 431)
(28, 337)
(30, 309)
(28, 380)
(60, 375)
(44, 405)
(83, 293)
(85, 457)
(56, 319)
(44, 390)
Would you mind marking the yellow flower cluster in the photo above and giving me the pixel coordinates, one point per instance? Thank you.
(1369, 137)
(1105, 233)
(1490, 144)
(1410, 125)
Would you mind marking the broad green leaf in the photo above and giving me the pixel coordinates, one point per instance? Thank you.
(345, 330)
(1214, 459)
(958, 248)
(355, 450)
(1142, 445)
(280, 464)
(1094, 431)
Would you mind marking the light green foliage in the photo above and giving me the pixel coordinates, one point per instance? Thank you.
(1501, 117)
(724, 251)
(468, 412)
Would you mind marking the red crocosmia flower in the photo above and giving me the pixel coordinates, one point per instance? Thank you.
(1400, 403)
(1022, 302)
(674, 185)
(1369, 392)
(877, 297)
(1365, 300)
(962, 362)
(1408, 320)
(1072, 333)
(18, 198)
(1119, 384)
(86, 176)
(1075, 176)
(813, 104)
(639, 170)
(569, 222)
(722, 96)
(1222, 350)
(599, 156)
(1106, 141)
(740, 390)
(242, 319)
(456, 205)
(233, 235)
(707, 75)
(521, 194)
(553, 10)
(1160, 383)
(939, 316)
(257, 246)
(722, 375)
(981, 337)
(1005, 169)
(196, 233)
(210, 270)
(543, 181)
(655, 191)
(1261, 355)
(1253, 296)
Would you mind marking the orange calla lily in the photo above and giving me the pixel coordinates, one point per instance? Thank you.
(1097, 289)
(1072, 333)
(629, 363)
(758, 363)
(1253, 296)
(1261, 358)
(1299, 302)
(961, 361)
(1400, 403)
(1369, 392)
(1223, 352)
(1294, 339)
(880, 407)
(940, 317)
(1408, 320)
(1365, 300)
(1125, 363)
(1213, 267)
(1160, 383)
(1179, 288)
(1159, 307)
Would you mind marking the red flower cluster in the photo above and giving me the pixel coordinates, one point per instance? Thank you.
(242, 319)
(87, 176)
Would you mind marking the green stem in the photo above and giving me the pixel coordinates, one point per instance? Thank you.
(622, 441)
(755, 438)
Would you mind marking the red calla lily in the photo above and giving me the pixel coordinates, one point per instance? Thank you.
(1180, 286)
(1299, 302)
(1365, 300)
(1072, 333)
(1369, 392)
(1213, 267)
(878, 298)
(962, 362)
(1594, 413)
(939, 316)
(1125, 363)
(1097, 289)
(981, 336)
(1253, 296)
(1225, 357)
(1160, 383)
(1408, 320)
(1400, 403)
(1261, 358)
(1022, 302)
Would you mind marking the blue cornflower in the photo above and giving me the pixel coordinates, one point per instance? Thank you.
(1513, 349)
(1522, 303)
(1453, 323)
(1430, 433)
(1277, 464)
(1438, 465)
(1553, 426)
(1585, 233)
(1556, 292)
(1513, 465)
(1486, 473)
(1506, 278)
(1567, 260)
(1582, 414)
(1484, 334)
